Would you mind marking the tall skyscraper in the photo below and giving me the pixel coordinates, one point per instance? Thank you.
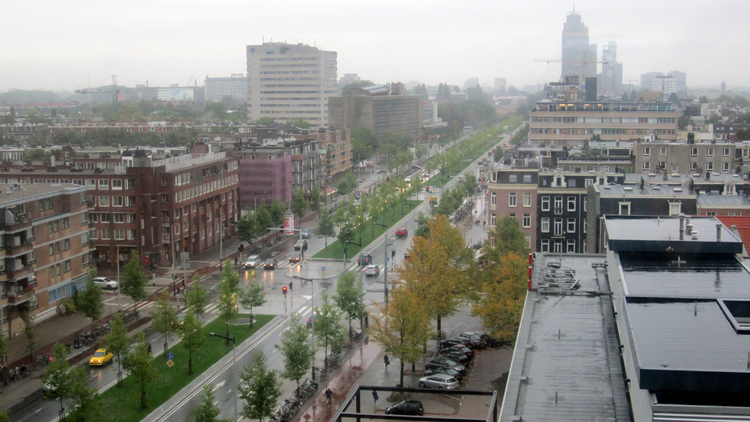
(578, 56)
(610, 80)
(289, 82)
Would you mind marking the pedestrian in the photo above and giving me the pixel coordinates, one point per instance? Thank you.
(329, 394)
(387, 361)
(235, 260)
(375, 397)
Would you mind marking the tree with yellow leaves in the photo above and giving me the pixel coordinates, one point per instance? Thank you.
(505, 286)
(403, 327)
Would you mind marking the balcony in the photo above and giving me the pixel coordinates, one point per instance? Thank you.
(20, 271)
(18, 223)
(165, 221)
(20, 248)
(18, 296)
(165, 238)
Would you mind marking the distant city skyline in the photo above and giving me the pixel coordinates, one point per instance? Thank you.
(57, 46)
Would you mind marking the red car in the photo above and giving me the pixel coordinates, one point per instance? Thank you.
(401, 232)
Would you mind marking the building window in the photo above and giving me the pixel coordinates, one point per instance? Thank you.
(105, 234)
(662, 151)
(693, 166)
(67, 265)
(725, 167)
(558, 246)
(545, 225)
(119, 234)
(725, 152)
(585, 203)
(571, 225)
(527, 199)
(584, 226)
(526, 221)
(624, 208)
(527, 178)
(558, 227)
(51, 249)
(103, 184)
(512, 199)
(66, 245)
(571, 203)
(545, 245)
(545, 203)
(493, 198)
(493, 220)
(711, 213)
(512, 178)
(117, 201)
(693, 152)
(119, 217)
(709, 152)
(588, 182)
(571, 246)
(65, 223)
(104, 201)
(558, 204)
(709, 166)
(647, 165)
(674, 208)
(646, 151)
(164, 198)
(104, 218)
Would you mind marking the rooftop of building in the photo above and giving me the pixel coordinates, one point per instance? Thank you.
(15, 193)
(565, 361)
(595, 106)
(648, 190)
(708, 199)
(683, 179)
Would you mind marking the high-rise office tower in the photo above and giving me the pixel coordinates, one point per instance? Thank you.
(578, 56)
(610, 80)
(290, 82)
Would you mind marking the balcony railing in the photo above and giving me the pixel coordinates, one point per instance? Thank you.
(20, 222)
(20, 296)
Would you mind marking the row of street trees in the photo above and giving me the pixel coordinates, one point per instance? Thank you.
(440, 274)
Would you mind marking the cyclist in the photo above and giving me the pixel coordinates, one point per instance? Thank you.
(329, 394)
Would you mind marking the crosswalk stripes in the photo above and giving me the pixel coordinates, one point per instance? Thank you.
(212, 307)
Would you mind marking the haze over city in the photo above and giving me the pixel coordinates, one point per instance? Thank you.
(63, 46)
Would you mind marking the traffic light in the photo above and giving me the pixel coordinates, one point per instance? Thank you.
(283, 289)
(290, 286)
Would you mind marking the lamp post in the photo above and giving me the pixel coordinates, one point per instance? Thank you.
(312, 305)
(234, 359)
(118, 277)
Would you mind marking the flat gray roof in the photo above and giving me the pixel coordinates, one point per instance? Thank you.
(648, 190)
(10, 196)
(566, 360)
(725, 200)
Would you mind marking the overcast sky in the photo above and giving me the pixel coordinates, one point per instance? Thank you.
(62, 45)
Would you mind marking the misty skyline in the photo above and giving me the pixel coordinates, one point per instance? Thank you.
(63, 46)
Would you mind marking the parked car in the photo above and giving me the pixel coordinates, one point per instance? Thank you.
(295, 258)
(463, 349)
(415, 167)
(372, 270)
(101, 357)
(439, 381)
(446, 362)
(447, 371)
(364, 259)
(476, 341)
(406, 407)
(490, 341)
(453, 342)
(402, 232)
(105, 283)
(271, 264)
(306, 233)
(54, 381)
(300, 245)
(252, 261)
(454, 355)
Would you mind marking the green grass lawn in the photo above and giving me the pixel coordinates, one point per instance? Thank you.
(123, 404)
(371, 232)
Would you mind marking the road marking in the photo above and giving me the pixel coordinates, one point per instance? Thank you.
(220, 384)
(38, 411)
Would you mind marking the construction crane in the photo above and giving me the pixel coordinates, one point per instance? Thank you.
(583, 62)
(114, 91)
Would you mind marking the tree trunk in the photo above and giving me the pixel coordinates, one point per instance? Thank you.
(165, 345)
(401, 383)
(350, 327)
(252, 319)
(190, 363)
(439, 330)
(143, 395)
(227, 335)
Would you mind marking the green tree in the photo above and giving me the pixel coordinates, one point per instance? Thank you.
(259, 388)
(227, 306)
(4, 416)
(326, 227)
(265, 121)
(247, 227)
(117, 342)
(346, 236)
(277, 212)
(252, 297)
(164, 317)
(197, 298)
(422, 229)
(214, 111)
(358, 84)
(350, 297)
(315, 199)
(263, 220)
(140, 365)
(296, 349)
(504, 287)
(134, 280)
(31, 334)
(230, 276)
(364, 143)
(90, 301)
(299, 205)
(347, 184)
(83, 397)
(403, 327)
(192, 335)
(207, 411)
(36, 154)
(506, 237)
(328, 327)
(57, 376)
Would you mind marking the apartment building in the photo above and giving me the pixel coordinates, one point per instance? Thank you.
(688, 157)
(379, 109)
(44, 254)
(235, 86)
(158, 207)
(574, 123)
(24, 132)
(290, 82)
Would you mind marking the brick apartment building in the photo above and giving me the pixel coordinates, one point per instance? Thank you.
(44, 255)
(156, 207)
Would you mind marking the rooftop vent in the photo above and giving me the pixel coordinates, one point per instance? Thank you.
(652, 175)
(627, 189)
(738, 314)
(655, 188)
(677, 189)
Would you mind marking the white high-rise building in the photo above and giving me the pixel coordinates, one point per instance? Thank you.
(290, 82)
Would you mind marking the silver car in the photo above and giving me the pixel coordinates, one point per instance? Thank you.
(439, 381)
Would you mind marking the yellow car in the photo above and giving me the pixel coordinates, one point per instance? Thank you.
(100, 358)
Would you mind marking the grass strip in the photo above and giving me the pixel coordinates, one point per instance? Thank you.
(123, 404)
(371, 232)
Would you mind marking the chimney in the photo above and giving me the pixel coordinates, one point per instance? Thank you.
(718, 232)
(682, 226)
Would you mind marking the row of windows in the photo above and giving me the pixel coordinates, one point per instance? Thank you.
(725, 152)
(55, 225)
(116, 201)
(557, 226)
(709, 166)
(105, 234)
(54, 248)
(557, 246)
(558, 202)
(622, 120)
(204, 188)
(600, 131)
(117, 217)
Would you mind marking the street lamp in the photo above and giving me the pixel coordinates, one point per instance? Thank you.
(234, 359)
(118, 277)
(312, 318)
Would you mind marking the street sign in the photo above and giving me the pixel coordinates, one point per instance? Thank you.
(387, 259)
(170, 355)
(170, 363)
(323, 269)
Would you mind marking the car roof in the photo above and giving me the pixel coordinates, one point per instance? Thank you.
(270, 259)
(252, 257)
